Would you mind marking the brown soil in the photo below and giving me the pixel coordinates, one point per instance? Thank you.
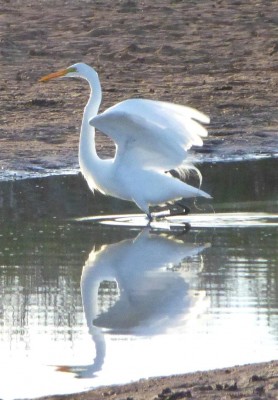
(220, 57)
(259, 381)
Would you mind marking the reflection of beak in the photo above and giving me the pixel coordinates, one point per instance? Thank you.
(57, 74)
(63, 368)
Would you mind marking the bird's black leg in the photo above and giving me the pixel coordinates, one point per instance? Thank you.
(150, 217)
(186, 209)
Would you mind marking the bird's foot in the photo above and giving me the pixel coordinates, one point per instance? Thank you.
(178, 229)
(159, 214)
(172, 210)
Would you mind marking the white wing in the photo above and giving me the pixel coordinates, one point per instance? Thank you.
(152, 134)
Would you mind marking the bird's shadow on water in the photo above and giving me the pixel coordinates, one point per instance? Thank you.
(151, 289)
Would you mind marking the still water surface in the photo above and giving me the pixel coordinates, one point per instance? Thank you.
(84, 304)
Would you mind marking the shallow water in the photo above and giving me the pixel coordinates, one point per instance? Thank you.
(111, 303)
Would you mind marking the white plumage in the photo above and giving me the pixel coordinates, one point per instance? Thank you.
(153, 134)
(151, 137)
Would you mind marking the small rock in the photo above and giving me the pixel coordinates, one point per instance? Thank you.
(168, 394)
(256, 378)
(18, 77)
(259, 390)
(43, 102)
(231, 387)
(109, 393)
(275, 385)
(219, 386)
(164, 393)
(180, 395)
(224, 87)
(274, 49)
(205, 387)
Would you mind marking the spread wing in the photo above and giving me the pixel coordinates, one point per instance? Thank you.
(152, 134)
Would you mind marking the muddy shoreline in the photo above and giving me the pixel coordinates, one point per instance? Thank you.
(220, 58)
(257, 381)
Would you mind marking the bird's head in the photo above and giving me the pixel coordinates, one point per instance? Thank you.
(78, 70)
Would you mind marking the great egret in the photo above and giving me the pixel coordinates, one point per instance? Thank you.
(151, 138)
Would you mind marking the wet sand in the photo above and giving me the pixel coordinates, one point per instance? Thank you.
(219, 57)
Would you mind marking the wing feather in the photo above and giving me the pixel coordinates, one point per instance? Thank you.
(153, 134)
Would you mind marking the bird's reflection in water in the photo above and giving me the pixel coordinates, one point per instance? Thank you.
(150, 289)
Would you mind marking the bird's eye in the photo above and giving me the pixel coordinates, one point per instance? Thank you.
(71, 69)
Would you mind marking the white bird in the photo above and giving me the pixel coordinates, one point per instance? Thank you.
(151, 137)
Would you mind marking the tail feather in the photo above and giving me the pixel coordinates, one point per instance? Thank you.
(202, 193)
(184, 171)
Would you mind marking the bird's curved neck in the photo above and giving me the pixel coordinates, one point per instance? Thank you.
(94, 101)
(87, 151)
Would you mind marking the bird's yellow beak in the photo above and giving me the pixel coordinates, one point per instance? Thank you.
(58, 74)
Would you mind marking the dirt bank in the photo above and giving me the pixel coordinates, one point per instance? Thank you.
(259, 381)
(220, 57)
